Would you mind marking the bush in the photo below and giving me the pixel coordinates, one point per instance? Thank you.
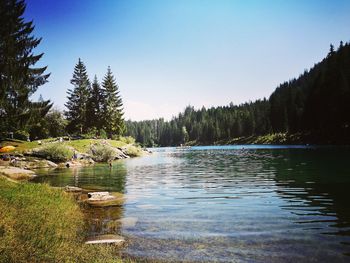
(127, 140)
(56, 152)
(21, 135)
(133, 151)
(103, 134)
(102, 153)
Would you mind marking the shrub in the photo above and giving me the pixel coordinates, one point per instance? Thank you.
(103, 134)
(21, 135)
(133, 151)
(56, 152)
(128, 140)
(102, 152)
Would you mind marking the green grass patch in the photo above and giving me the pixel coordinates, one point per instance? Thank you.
(42, 224)
(84, 145)
(21, 146)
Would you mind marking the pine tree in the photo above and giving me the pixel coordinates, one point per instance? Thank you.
(19, 80)
(78, 100)
(113, 121)
(94, 106)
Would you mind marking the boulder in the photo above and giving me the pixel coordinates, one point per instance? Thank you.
(27, 163)
(104, 199)
(16, 173)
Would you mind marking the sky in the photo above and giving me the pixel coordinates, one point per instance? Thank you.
(168, 54)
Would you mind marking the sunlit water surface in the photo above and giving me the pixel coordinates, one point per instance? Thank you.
(226, 203)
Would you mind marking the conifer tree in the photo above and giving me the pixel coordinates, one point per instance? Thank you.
(19, 79)
(78, 100)
(113, 121)
(94, 107)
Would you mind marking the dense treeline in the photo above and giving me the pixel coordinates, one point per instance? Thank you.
(316, 102)
(204, 125)
(319, 100)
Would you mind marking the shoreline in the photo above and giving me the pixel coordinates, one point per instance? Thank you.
(306, 138)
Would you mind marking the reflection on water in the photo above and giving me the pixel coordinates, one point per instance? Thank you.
(224, 204)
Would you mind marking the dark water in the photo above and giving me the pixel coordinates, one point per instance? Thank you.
(227, 204)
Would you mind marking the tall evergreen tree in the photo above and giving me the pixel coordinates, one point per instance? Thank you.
(78, 99)
(19, 79)
(94, 106)
(113, 121)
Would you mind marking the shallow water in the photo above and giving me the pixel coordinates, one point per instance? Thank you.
(226, 203)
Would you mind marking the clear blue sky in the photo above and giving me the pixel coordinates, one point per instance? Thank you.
(169, 54)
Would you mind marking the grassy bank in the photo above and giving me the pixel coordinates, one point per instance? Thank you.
(54, 150)
(42, 224)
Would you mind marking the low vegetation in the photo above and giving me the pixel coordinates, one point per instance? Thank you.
(55, 152)
(42, 224)
(102, 153)
(133, 151)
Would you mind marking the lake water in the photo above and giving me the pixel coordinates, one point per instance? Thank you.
(226, 203)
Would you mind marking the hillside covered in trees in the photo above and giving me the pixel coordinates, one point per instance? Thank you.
(315, 105)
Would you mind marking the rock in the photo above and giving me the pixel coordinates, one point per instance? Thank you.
(104, 199)
(106, 239)
(76, 163)
(99, 195)
(16, 173)
(32, 163)
(120, 154)
(72, 189)
(147, 151)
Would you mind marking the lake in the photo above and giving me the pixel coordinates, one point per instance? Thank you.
(225, 203)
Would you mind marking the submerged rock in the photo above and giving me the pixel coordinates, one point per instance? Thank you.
(128, 222)
(72, 189)
(106, 239)
(105, 199)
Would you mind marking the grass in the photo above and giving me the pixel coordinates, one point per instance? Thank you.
(42, 224)
(21, 146)
(82, 145)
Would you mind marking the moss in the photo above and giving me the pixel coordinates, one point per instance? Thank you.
(42, 224)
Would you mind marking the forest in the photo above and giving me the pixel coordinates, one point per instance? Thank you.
(316, 103)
